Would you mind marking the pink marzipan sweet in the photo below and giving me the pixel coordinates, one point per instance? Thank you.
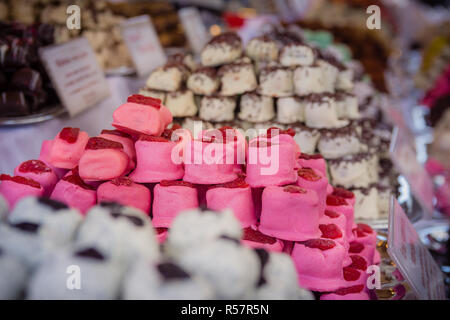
(270, 164)
(155, 163)
(313, 161)
(290, 213)
(72, 191)
(126, 192)
(128, 147)
(170, 200)
(238, 199)
(317, 269)
(206, 162)
(342, 206)
(13, 191)
(346, 194)
(44, 156)
(252, 238)
(136, 118)
(38, 171)
(66, 153)
(312, 179)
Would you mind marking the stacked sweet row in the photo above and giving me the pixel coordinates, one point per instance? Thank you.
(312, 94)
(280, 196)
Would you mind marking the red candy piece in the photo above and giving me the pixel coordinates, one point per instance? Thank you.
(336, 201)
(256, 236)
(122, 181)
(21, 180)
(330, 231)
(340, 192)
(353, 289)
(331, 214)
(70, 135)
(358, 262)
(322, 244)
(306, 156)
(74, 178)
(238, 183)
(308, 174)
(145, 137)
(356, 247)
(117, 133)
(170, 183)
(97, 143)
(294, 189)
(148, 101)
(34, 166)
(351, 274)
(362, 230)
(161, 230)
(274, 131)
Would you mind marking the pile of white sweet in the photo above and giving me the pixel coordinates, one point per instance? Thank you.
(280, 81)
(49, 251)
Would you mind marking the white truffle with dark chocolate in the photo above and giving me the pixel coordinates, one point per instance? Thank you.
(13, 276)
(157, 94)
(203, 81)
(351, 171)
(309, 80)
(256, 108)
(297, 54)
(307, 138)
(321, 112)
(336, 143)
(366, 203)
(184, 58)
(217, 108)
(100, 277)
(347, 105)
(290, 110)
(164, 281)
(237, 78)
(262, 49)
(222, 49)
(345, 80)
(181, 103)
(169, 77)
(276, 81)
(330, 74)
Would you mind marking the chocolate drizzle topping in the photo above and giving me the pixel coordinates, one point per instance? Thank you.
(171, 271)
(90, 253)
(263, 257)
(55, 205)
(230, 38)
(138, 222)
(228, 238)
(26, 226)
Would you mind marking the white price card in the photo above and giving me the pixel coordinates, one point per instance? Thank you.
(143, 44)
(194, 27)
(404, 156)
(412, 258)
(75, 74)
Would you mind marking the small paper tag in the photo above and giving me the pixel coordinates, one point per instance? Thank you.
(143, 44)
(194, 27)
(75, 73)
(404, 157)
(412, 258)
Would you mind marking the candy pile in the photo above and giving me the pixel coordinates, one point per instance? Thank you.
(280, 196)
(280, 80)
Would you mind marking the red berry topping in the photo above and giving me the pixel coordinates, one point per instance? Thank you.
(21, 180)
(122, 181)
(178, 183)
(256, 236)
(70, 135)
(274, 131)
(34, 166)
(362, 230)
(330, 231)
(74, 178)
(306, 156)
(358, 262)
(351, 274)
(238, 183)
(97, 143)
(148, 101)
(117, 133)
(161, 230)
(331, 214)
(353, 289)
(308, 174)
(336, 201)
(294, 189)
(356, 247)
(225, 134)
(322, 244)
(145, 137)
(340, 192)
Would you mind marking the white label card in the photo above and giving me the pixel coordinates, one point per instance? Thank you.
(195, 28)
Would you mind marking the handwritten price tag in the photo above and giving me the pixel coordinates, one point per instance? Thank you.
(75, 73)
(143, 44)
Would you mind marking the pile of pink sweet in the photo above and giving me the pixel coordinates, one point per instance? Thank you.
(161, 171)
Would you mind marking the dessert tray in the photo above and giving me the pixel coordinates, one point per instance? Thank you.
(45, 114)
